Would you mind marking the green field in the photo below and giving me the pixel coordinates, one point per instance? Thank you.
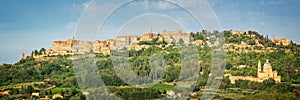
(58, 90)
(161, 86)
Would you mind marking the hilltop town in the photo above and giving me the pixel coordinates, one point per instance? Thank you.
(251, 41)
(72, 45)
(170, 38)
(48, 74)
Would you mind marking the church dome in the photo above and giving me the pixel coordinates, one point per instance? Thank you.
(267, 63)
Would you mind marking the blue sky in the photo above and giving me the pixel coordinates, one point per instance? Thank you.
(26, 25)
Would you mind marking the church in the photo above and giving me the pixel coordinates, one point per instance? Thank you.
(266, 72)
(263, 73)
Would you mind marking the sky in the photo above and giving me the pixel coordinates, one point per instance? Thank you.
(26, 25)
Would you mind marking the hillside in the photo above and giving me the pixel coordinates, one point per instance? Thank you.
(49, 74)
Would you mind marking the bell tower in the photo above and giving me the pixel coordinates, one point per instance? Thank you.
(259, 67)
(259, 70)
(73, 37)
(23, 55)
(150, 30)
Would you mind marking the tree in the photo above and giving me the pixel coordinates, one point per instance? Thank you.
(49, 92)
(82, 97)
(35, 52)
(42, 51)
(30, 89)
(45, 92)
(296, 93)
(242, 83)
(251, 42)
(282, 87)
(225, 83)
(269, 82)
(228, 65)
(62, 92)
(154, 41)
(164, 43)
(181, 42)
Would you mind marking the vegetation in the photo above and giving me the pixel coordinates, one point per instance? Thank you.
(55, 74)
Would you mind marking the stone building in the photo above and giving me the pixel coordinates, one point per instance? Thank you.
(263, 73)
(136, 46)
(198, 42)
(266, 72)
(62, 47)
(6, 92)
(57, 96)
(175, 36)
(102, 46)
(82, 47)
(124, 41)
(72, 46)
(283, 41)
(131, 42)
(148, 36)
(241, 32)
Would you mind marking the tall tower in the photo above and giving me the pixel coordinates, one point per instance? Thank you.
(259, 74)
(164, 30)
(23, 55)
(259, 67)
(150, 30)
(73, 37)
(273, 38)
